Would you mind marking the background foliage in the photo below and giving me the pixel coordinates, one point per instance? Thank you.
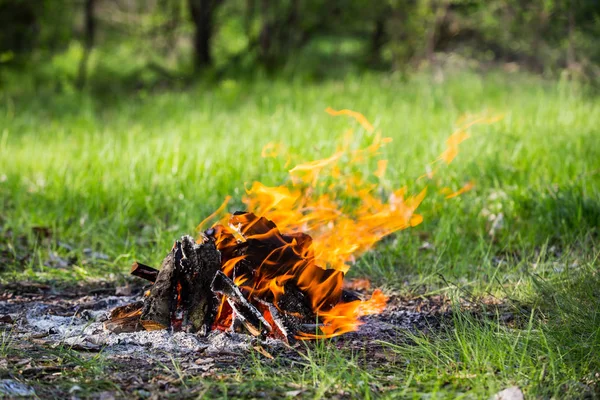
(158, 42)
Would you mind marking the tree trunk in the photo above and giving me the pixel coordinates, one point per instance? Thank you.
(378, 38)
(89, 38)
(571, 57)
(250, 8)
(264, 37)
(441, 9)
(202, 12)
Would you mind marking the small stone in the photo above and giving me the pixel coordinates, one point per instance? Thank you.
(511, 393)
(293, 393)
(75, 388)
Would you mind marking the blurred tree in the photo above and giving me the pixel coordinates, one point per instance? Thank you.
(202, 13)
(89, 36)
(149, 40)
(19, 23)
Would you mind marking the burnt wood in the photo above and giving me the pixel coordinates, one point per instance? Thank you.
(243, 310)
(198, 266)
(144, 271)
(181, 297)
(156, 313)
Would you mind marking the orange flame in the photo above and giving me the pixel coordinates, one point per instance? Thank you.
(344, 317)
(466, 187)
(270, 150)
(334, 200)
(356, 115)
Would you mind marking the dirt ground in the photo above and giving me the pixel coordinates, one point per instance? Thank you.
(54, 341)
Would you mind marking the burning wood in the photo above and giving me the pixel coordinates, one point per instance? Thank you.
(253, 277)
(126, 318)
(242, 309)
(269, 275)
(181, 295)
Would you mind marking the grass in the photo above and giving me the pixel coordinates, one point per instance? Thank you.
(125, 174)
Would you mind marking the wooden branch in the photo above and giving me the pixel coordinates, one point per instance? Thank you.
(143, 271)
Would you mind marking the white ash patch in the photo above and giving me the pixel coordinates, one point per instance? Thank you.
(139, 342)
(40, 319)
(84, 330)
(79, 323)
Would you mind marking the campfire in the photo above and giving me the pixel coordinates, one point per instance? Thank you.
(254, 280)
(277, 269)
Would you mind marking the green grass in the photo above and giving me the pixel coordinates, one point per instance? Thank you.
(126, 174)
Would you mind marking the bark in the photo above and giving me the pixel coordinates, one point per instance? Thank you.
(181, 297)
(378, 39)
(266, 35)
(156, 313)
(440, 15)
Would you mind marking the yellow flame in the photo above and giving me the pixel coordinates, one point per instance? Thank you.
(354, 114)
(271, 150)
(466, 187)
(336, 202)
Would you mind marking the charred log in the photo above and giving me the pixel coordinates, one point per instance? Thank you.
(198, 266)
(283, 292)
(162, 300)
(349, 296)
(243, 310)
(181, 295)
(143, 271)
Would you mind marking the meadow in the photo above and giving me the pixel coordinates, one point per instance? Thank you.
(125, 174)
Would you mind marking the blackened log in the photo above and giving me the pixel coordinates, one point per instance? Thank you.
(294, 301)
(199, 265)
(143, 271)
(162, 300)
(181, 297)
(242, 308)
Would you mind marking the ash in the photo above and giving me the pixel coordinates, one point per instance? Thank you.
(78, 323)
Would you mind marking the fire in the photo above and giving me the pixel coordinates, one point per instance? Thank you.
(305, 235)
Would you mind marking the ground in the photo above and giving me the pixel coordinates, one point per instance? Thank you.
(89, 184)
